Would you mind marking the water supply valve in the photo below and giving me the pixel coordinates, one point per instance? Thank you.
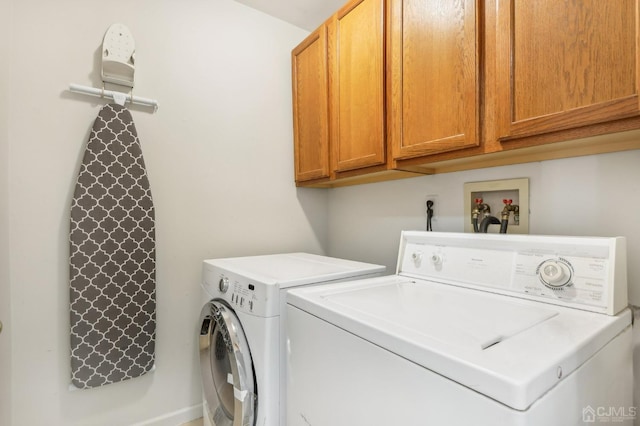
(479, 208)
(508, 208)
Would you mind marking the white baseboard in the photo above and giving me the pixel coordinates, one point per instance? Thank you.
(174, 418)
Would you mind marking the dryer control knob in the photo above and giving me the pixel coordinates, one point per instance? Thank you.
(223, 284)
(555, 273)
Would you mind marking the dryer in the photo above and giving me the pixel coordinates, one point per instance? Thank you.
(241, 336)
(473, 329)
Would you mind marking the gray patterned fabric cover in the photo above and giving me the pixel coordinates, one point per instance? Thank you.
(112, 281)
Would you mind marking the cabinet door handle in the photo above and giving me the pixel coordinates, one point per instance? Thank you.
(0, 326)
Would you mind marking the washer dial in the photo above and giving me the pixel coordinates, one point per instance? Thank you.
(555, 273)
(223, 284)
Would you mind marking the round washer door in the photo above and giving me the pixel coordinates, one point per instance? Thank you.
(228, 380)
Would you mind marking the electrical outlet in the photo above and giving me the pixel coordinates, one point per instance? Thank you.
(493, 193)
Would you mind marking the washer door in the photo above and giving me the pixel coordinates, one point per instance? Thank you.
(228, 380)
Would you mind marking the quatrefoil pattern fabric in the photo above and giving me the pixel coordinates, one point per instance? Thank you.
(112, 257)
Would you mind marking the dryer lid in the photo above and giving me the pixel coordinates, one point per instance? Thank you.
(506, 348)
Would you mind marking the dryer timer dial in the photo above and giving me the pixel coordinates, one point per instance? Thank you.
(555, 273)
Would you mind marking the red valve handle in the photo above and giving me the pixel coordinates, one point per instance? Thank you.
(508, 202)
(478, 200)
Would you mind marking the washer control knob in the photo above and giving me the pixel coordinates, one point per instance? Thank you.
(555, 273)
(436, 259)
(223, 284)
(416, 256)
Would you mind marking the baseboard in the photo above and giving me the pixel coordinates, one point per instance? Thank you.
(174, 418)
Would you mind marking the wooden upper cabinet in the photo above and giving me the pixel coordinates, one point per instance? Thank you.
(565, 64)
(310, 107)
(434, 63)
(387, 89)
(356, 82)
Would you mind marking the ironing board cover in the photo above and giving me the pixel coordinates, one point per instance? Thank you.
(112, 257)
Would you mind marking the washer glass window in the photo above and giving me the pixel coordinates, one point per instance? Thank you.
(227, 370)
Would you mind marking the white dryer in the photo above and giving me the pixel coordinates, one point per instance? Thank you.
(473, 329)
(241, 336)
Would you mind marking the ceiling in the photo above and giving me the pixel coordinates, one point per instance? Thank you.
(306, 14)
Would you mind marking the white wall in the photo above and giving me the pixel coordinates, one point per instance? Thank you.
(595, 195)
(220, 161)
(5, 314)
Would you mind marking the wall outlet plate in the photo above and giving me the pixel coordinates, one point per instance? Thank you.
(492, 193)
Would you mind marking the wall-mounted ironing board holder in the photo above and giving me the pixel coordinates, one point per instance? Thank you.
(113, 95)
(118, 67)
(118, 56)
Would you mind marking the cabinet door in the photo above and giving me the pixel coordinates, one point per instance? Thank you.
(434, 76)
(310, 107)
(356, 81)
(565, 64)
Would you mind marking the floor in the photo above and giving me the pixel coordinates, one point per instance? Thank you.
(196, 422)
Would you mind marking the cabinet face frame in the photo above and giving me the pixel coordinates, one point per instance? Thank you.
(404, 144)
(509, 127)
(356, 86)
(310, 108)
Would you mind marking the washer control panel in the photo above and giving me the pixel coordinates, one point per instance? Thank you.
(582, 272)
(243, 296)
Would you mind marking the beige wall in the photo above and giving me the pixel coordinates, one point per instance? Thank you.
(220, 161)
(5, 313)
(219, 157)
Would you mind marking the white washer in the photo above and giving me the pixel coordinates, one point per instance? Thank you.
(241, 341)
(473, 329)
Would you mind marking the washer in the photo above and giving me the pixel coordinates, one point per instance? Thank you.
(472, 330)
(241, 341)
